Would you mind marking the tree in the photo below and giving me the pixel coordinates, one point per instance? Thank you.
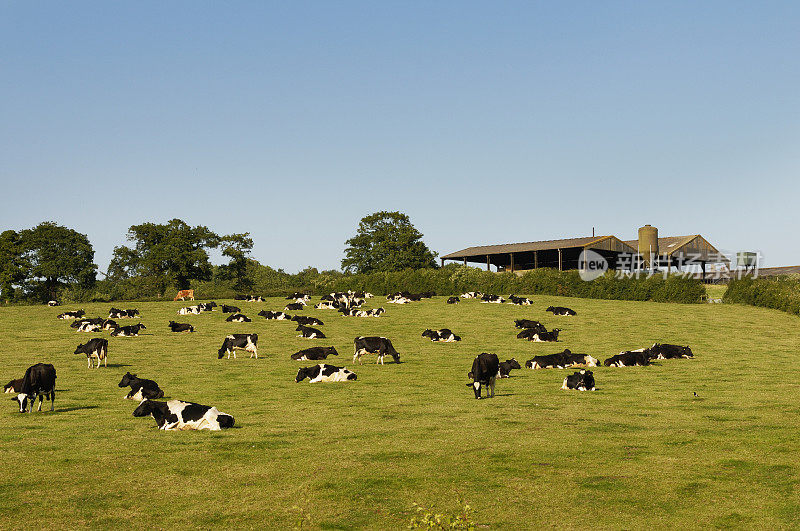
(237, 247)
(13, 268)
(386, 241)
(172, 254)
(58, 256)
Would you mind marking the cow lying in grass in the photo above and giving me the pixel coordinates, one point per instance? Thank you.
(561, 360)
(140, 388)
(314, 353)
(582, 380)
(325, 373)
(179, 415)
(444, 334)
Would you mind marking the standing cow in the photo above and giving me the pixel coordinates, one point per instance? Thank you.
(484, 372)
(39, 381)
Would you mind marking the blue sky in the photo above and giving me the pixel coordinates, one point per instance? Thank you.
(486, 122)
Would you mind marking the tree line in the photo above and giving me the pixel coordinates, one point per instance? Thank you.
(49, 261)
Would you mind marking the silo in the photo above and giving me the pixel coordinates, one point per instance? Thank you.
(648, 244)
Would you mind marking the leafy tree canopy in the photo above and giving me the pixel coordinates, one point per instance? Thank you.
(58, 255)
(13, 268)
(386, 241)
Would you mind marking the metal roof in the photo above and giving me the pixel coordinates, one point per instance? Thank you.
(543, 245)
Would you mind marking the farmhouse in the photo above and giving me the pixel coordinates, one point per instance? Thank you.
(648, 252)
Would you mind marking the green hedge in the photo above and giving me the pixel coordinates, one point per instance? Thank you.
(782, 293)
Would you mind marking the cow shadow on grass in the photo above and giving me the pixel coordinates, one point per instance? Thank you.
(118, 365)
(75, 408)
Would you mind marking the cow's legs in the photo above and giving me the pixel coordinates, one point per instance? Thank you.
(88, 362)
(53, 399)
(41, 401)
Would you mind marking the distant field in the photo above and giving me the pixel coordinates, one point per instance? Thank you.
(640, 452)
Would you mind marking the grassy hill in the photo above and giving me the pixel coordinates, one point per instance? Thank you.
(641, 451)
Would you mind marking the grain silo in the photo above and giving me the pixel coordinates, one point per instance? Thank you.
(648, 245)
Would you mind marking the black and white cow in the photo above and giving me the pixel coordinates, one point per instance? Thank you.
(87, 320)
(230, 309)
(116, 313)
(560, 310)
(307, 320)
(496, 299)
(324, 373)
(314, 353)
(232, 342)
(128, 331)
(562, 360)
(141, 389)
(251, 298)
(629, 358)
(39, 381)
(89, 327)
(506, 366)
(445, 334)
(452, 300)
(374, 345)
(308, 332)
(668, 352)
(14, 386)
(532, 334)
(109, 324)
(295, 306)
(238, 318)
(180, 327)
(527, 324)
(484, 371)
(77, 314)
(297, 295)
(582, 380)
(472, 295)
(190, 310)
(349, 312)
(375, 312)
(327, 305)
(277, 316)
(96, 348)
(53, 303)
(520, 301)
(180, 415)
(207, 306)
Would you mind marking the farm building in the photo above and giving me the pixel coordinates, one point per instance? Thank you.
(674, 252)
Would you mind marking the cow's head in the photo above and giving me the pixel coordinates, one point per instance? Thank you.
(331, 351)
(513, 364)
(126, 380)
(550, 309)
(141, 326)
(396, 357)
(23, 399)
(146, 407)
(79, 349)
(301, 375)
(299, 328)
(427, 333)
(222, 350)
(687, 352)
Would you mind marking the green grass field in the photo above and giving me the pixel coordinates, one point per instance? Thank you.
(640, 452)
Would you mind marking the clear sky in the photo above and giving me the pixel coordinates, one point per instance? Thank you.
(486, 122)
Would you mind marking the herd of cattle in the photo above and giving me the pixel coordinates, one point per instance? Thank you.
(39, 380)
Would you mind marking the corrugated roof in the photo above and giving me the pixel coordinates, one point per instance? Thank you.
(668, 244)
(527, 246)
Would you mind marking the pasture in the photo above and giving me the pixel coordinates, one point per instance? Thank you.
(642, 451)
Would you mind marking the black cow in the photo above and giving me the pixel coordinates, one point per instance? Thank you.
(96, 348)
(39, 381)
(324, 373)
(667, 352)
(180, 327)
(128, 331)
(295, 306)
(314, 353)
(141, 389)
(232, 342)
(14, 386)
(230, 309)
(629, 358)
(374, 345)
(560, 310)
(484, 371)
(278, 316)
(239, 318)
(506, 366)
(307, 320)
(532, 335)
(77, 314)
(452, 300)
(530, 325)
(445, 334)
(582, 380)
(309, 333)
(207, 306)
(180, 415)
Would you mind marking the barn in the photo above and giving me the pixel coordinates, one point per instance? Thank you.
(648, 252)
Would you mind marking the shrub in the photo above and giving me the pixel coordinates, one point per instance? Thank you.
(782, 293)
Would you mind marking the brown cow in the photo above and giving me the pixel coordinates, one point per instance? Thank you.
(183, 294)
